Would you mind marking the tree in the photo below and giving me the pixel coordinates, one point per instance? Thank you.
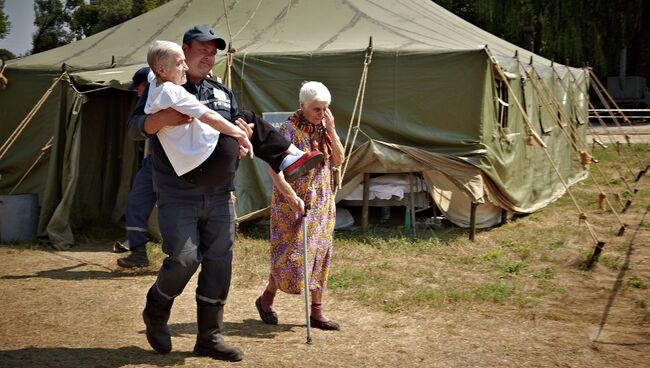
(5, 24)
(61, 22)
(99, 15)
(579, 31)
(6, 54)
(143, 6)
(51, 20)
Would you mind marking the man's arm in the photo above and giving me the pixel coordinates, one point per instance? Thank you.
(136, 120)
(142, 126)
(215, 120)
(295, 202)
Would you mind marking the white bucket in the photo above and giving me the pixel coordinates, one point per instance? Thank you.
(18, 217)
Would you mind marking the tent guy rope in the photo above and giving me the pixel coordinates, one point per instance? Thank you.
(361, 92)
(551, 107)
(601, 91)
(582, 216)
(44, 150)
(21, 127)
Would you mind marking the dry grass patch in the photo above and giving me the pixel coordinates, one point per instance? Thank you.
(516, 297)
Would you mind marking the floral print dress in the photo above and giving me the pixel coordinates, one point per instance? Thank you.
(315, 189)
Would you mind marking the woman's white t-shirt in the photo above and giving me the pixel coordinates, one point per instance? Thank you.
(186, 145)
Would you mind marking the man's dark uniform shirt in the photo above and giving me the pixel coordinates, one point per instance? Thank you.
(214, 95)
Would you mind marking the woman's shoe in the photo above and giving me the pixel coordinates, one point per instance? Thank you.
(270, 318)
(327, 325)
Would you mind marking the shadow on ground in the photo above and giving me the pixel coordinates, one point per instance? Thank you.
(73, 273)
(249, 328)
(88, 357)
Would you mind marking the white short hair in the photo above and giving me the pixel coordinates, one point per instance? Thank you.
(314, 91)
(162, 53)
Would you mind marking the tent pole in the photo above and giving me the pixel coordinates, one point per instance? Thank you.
(365, 202)
(472, 221)
(504, 216)
(413, 230)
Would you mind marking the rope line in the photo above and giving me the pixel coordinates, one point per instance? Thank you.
(225, 12)
(4, 81)
(248, 21)
(532, 132)
(611, 99)
(231, 51)
(616, 195)
(614, 118)
(23, 124)
(566, 135)
(44, 150)
(609, 137)
(361, 93)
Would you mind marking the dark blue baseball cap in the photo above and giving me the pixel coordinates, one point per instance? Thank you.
(203, 32)
(139, 77)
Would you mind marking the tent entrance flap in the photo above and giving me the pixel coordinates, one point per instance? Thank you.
(453, 185)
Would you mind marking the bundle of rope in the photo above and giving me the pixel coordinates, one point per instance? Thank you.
(4, 82)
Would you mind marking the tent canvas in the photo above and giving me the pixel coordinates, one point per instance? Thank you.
(431, 87)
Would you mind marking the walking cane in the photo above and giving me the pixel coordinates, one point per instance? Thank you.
(306, 277)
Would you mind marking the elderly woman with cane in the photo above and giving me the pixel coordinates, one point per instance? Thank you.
(311, 128)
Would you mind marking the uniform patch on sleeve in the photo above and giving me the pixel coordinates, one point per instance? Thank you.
(219, 94)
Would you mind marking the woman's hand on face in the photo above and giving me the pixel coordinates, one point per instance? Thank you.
(329, 118)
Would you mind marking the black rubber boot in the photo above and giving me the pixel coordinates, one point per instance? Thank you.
(137, 258)
(155, 316)
(209, 341)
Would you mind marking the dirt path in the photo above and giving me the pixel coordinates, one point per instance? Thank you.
(72, 309)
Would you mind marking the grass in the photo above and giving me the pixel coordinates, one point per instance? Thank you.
(386, 268)
(520, 263)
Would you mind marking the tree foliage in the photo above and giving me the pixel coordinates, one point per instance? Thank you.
(577, 31)
(99, 15)
(6, 54)
(59, 23)
(51, 19)
(5, 24)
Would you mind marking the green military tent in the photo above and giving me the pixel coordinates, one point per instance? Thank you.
(435, 101)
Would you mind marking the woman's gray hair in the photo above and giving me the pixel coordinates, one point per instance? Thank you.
(162, 53)
(314, 91)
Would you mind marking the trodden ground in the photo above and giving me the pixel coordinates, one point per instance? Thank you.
(516, 297)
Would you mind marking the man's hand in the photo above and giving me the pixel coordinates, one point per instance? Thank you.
(248, 128)
(242, 152)
(245, 145)
(163, 118)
